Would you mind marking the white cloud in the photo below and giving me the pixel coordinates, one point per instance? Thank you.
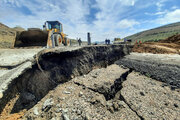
(174, 7)
(123, 24)
(11, 2)
(73, 15)
(157, 13)
(170, 17)
(160, 4)
(128, 2)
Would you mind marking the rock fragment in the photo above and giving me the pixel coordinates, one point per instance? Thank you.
(35, 111)
(47, 104)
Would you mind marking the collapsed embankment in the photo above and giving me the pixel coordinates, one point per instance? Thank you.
(53, 67)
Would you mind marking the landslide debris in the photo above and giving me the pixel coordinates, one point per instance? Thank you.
(170, 45)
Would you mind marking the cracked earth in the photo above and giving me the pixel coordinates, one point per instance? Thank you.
(111, 93)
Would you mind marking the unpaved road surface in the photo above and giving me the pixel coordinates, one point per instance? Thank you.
(162, 67)
(13, 57)
(172, 59)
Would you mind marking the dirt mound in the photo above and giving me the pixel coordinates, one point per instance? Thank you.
(18, 29)
(170, 45)
(172, 39)
(7, 35)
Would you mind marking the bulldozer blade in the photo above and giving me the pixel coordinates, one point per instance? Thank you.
(31, 38)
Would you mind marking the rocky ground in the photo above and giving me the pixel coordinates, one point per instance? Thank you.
(25, 83)
(108, 94)
(135, 87)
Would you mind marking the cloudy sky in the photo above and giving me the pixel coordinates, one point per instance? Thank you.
(102, 18)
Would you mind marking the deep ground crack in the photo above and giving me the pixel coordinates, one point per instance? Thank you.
(123, 99)
(117, 86)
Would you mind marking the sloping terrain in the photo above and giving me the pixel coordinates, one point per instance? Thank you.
(156, 34)
(170, 45)
(7, 35)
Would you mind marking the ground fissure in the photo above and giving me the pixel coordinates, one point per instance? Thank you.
(59, 67)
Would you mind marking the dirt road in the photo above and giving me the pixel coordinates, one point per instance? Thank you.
(162, 67)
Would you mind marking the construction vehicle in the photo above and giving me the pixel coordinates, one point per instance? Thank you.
(51, 36)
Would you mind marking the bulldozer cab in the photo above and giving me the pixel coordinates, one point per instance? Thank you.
(50, 25)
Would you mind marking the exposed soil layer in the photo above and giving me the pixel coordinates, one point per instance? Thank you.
(79, 100)
(170, 45)
(53, 67)
(85, 98)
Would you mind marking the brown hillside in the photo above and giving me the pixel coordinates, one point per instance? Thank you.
(3, 26)
(7, 35)
(170, 45)
(173, 39)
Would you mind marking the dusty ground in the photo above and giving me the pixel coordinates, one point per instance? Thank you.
(162, 67)
(32, 85)
(149, 99)
(170, 59)
(84, 97)
(13, 57)
(170, 45)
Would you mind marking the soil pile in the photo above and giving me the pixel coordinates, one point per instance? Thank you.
(172, 39)
(7, 35)
(170, 45)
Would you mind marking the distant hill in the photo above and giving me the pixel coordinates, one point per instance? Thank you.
(156, 34)
(18, 28)
(7, 35)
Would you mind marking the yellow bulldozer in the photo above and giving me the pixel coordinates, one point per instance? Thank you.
(51, 36)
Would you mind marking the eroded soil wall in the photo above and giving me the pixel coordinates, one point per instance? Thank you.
(55, 67)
